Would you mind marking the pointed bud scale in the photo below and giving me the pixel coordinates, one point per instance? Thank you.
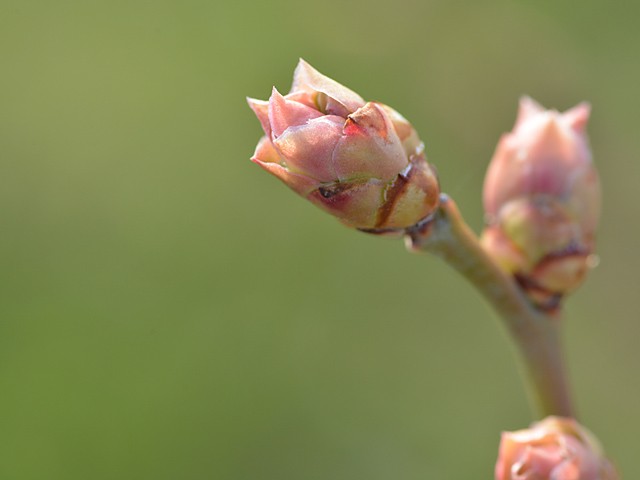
(331, 97)
(554, 448)
(360, 161)
(268, 158)
(542, 201)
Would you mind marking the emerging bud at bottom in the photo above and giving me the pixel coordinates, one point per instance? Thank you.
(554, 449)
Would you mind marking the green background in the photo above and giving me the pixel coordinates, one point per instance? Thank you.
(170, 311)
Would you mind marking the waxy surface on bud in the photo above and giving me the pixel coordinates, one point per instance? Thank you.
(554, 449)
(542, 201)
(360, 161)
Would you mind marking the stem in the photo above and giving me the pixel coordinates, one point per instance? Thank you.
(535, 333)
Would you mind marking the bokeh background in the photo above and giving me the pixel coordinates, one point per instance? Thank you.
(170, 311)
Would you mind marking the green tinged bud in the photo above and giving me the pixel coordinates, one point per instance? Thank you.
(542, 201)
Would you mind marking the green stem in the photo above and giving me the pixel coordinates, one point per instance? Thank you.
(535, 333)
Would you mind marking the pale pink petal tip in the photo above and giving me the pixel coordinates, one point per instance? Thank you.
(302, 75)
(307, 78)
(528, 108)
(285, 113)
(265, 152)
(578, 116)
(301, 184)
(261, 109)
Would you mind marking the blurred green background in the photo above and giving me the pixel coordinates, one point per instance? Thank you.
(170, 311)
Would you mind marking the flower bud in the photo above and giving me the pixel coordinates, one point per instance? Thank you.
(554, 449)
(360, 161)
(542, 202)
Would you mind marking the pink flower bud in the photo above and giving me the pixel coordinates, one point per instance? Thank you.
(554, 449)
(542, 201)
(360, 161)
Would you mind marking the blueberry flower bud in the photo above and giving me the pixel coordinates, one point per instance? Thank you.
(554, 449)
(542, 202)
(360, 161)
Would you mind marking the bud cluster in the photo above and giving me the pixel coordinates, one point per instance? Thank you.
(364, 163)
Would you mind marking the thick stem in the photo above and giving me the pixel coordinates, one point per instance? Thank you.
(535, 333)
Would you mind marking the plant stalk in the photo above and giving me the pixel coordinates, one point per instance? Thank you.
(535, 333)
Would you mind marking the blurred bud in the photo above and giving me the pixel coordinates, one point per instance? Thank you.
(542, 201)
(360, 161)
(554, 449)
